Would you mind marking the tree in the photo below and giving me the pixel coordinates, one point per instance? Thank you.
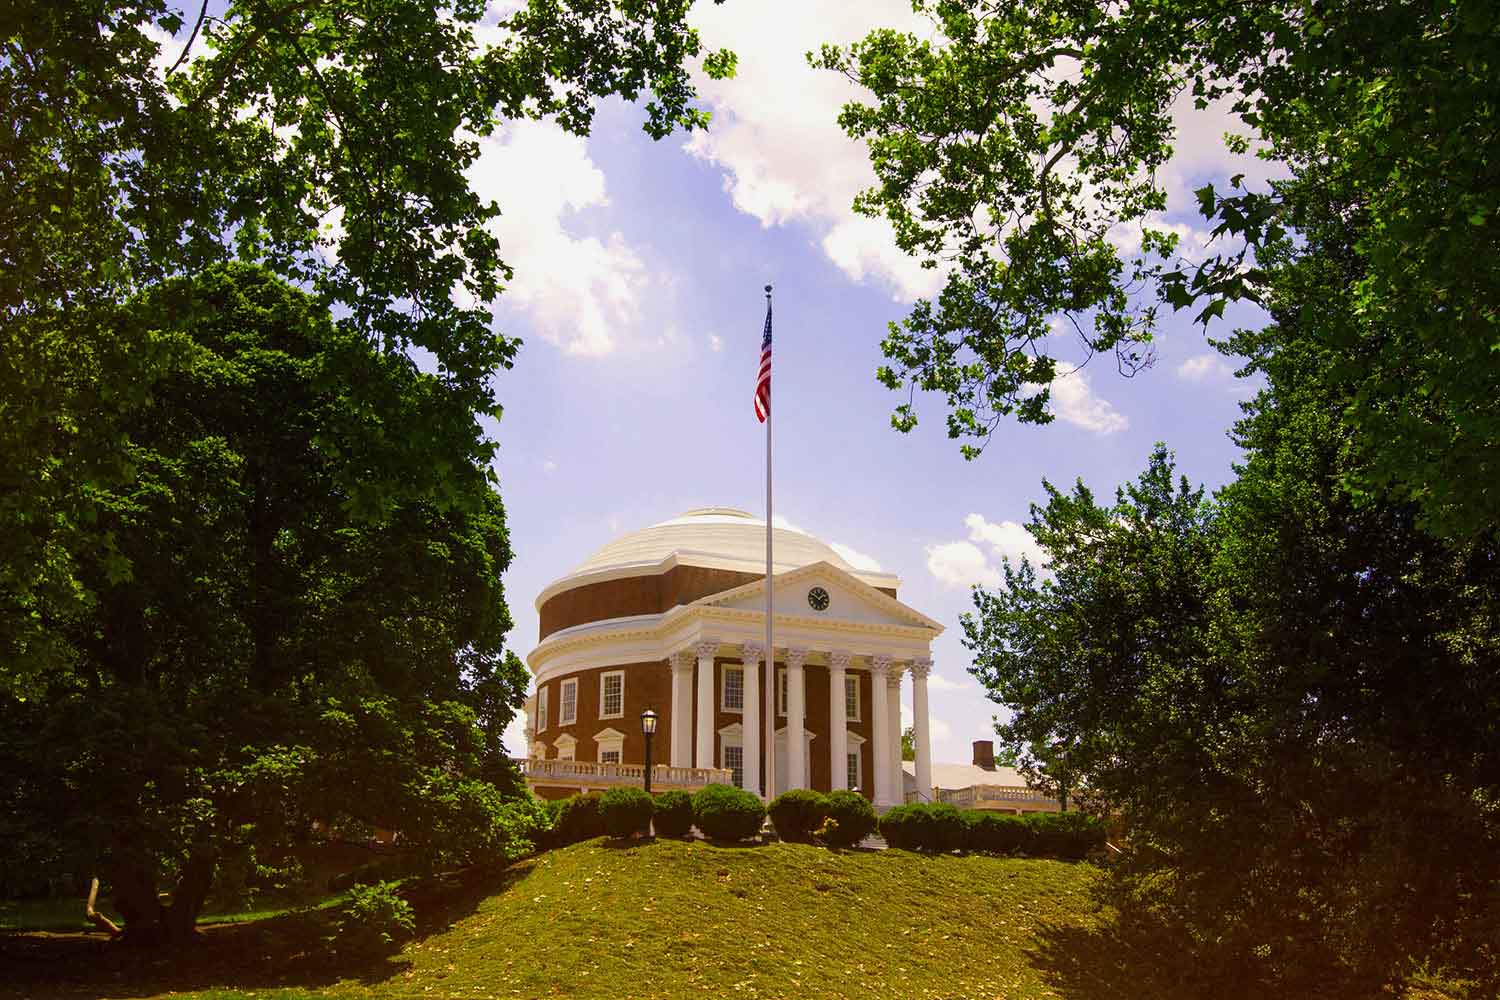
(269, 654)
(909, 743)
(1020, 152)
(328, 142)
(170, 582)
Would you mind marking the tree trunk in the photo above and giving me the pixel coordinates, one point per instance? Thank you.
(150, 922)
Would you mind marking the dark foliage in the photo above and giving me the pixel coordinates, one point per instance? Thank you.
(723, 812)
(674, 813)
(626, 812)
(796, 814)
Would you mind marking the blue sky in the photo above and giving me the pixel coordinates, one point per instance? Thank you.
(639, 269)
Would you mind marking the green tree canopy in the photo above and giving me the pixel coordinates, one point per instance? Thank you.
(327, 142)
(1015, 145)
(259, 653)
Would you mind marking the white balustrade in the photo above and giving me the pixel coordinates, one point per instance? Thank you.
(585, 772)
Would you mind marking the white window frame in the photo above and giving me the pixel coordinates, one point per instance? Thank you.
(732, 736)
(855, 747)
(851, 680)
(541, 709)
(564, 717)
(724, 673)
(567, 747)
(609, 741)
(603, 681)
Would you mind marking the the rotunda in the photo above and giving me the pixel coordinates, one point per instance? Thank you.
(671, 618)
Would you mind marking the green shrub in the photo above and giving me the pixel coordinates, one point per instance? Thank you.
(797, 813)
(995, 833)
(938, 827)
(579, 818)
(899, 827)
(853, 818)
(674, 814)
(522, 826)
(1070, 835)
(374, 922)
(626, 811)
(944, 830)
(724, 812)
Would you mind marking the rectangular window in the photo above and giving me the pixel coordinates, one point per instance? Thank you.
(852, 777)
(612, 694)
(781, 691)
(733, 697)
(734, 760)
(851, 698)
(609, 757)
(568, 712)
(541, 709)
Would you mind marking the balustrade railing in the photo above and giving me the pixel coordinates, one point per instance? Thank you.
(585, 772)
(978, 795)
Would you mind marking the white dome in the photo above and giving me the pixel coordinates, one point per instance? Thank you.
(715, 536)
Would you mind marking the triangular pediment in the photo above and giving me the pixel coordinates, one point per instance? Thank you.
(850, 599)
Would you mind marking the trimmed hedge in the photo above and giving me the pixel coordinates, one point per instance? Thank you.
(674, 814)
(578, 818)
(626, 811)
(1070, 835)
(995, 833)
(796, 814)
(899, 827)
(942, 828)
(851, 818)
(724, 812)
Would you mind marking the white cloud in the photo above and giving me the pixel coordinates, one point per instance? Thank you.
(1074, 402)
(937, 729)
(582, 293)
(1006, 539)
(1204, 367)
(715, 342)
(937, 682)
(549, 466)
(961, 565)
(855, 558)
(776, 135)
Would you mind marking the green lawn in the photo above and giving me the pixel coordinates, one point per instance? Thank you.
(672, 919)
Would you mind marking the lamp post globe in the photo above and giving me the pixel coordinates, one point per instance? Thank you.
(648, 729)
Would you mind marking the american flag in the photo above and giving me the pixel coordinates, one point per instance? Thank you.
(763, 381)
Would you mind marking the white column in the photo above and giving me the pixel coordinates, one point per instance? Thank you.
(682, 708)
(796, 711)
(880, 667)
(920, 668)
(838, 723)
(893, 706)
(706, 703)
(751, 654)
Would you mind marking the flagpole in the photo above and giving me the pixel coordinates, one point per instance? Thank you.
(770, 741)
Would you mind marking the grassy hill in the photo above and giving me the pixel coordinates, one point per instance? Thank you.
(671, 919)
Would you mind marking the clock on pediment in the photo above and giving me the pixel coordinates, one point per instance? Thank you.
(817, 599)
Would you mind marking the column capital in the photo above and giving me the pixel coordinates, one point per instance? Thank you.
(683, 659)
(796, 657)
(707, 648)
(839, 659)
(921, 667)
(752, 652)
(893, 679)
(880, 666)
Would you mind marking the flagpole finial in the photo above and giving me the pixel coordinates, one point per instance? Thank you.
(768, 291)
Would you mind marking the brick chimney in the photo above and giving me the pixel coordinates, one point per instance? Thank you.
(984, 754)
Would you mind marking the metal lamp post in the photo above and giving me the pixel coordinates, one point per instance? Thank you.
(648, 728)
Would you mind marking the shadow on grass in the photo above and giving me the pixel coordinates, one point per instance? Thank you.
(285, 952)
